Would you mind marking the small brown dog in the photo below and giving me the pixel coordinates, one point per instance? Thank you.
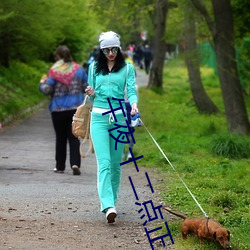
(204, 228)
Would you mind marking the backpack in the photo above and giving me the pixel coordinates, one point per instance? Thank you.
(81, 125)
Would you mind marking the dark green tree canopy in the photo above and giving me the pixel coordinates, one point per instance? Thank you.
(28, 33)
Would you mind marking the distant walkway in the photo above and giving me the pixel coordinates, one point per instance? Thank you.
(141, 78)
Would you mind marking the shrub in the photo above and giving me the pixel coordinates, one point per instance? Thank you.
(224, 200)
(231, 146)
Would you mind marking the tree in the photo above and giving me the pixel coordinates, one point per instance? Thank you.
(201, 99)
(242, 33)
(128, 18)
(223, 38)
(28, 33)
(241, 17)
(159, 44)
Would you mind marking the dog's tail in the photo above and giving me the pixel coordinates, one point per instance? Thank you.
(175, 213)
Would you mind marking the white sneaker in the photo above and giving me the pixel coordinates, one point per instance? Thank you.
(76, 170)
(129, 156)
(111, 215)
(58, 171)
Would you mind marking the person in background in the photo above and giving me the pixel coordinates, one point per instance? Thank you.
(93, 54)
(108, 77)
(127, 58)
(65, 83)
(92, 57)
(147, 54)
(138, 52)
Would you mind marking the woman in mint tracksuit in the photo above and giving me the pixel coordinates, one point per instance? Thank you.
(108, 77)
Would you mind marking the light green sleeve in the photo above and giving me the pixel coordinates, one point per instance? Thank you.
(131, 85)
(91, 78)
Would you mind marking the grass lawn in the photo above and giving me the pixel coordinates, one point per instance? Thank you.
(214, 164)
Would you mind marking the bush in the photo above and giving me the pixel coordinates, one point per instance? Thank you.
(19, 88)
(231, 146)
(224, 200)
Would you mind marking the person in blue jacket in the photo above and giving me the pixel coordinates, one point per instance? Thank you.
(108, 77)
(65, 83)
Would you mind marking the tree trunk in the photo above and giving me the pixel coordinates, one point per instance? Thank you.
(223, 38)
(201, 99)
(159, 46)
(233, 97)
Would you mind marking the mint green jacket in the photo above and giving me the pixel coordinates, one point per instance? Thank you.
(115, 84)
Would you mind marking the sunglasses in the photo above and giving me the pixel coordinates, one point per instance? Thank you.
(106, 51)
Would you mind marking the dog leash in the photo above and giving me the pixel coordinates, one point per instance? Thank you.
(174, 170)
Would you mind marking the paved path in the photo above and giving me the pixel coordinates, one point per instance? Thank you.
(30, 192)
(26, 163)
(141, 78)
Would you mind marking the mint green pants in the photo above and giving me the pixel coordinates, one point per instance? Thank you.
(108, 159)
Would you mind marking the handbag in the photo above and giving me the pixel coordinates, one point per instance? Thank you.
(81, 126)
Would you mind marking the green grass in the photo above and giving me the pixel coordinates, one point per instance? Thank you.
(214, 164)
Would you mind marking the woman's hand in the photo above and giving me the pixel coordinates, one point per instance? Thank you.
(134, 109)
(43, 79)
(90, 91)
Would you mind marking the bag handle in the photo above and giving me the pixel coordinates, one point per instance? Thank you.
(91, 148)
(85, 99)
(87, 137)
